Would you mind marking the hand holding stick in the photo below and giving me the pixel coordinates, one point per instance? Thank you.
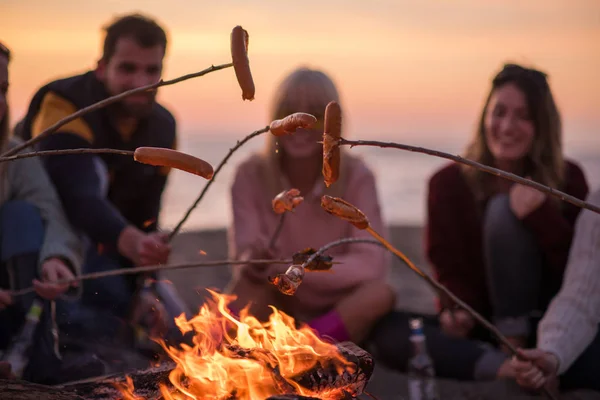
(150, 268)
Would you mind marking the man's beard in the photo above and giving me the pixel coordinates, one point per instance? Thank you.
(123, 109)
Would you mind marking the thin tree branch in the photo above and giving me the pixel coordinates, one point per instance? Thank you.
(494, 171)
(109, 101)
(336, 243)
(65, 152)
(151, 268)
(239, 144)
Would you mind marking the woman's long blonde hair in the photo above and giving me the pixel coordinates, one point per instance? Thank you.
(303, 90)
(545, 162)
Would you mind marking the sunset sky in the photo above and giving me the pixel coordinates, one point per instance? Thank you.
(410, 70)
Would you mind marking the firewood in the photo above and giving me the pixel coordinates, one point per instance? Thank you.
(353, 380)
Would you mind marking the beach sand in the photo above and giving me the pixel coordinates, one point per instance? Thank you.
(412, 294)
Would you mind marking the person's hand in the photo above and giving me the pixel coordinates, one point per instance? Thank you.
(144, 248)
(153, 249)
(53, 270)
(524, 199)
(456, 323)
(535, 368)
(5, 299)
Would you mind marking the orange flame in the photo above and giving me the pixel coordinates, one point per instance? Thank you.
(246, 359)
(126, 389)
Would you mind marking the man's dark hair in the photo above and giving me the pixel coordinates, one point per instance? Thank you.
(144, 30)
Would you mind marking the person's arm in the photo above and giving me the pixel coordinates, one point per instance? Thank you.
(30, 183)
(360, 262)
(553, 222)
(445, 245)
(571, 321)
(79, 179)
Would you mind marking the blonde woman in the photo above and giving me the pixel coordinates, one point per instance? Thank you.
(343, 303)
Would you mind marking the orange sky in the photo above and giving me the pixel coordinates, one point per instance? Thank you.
(410, 70)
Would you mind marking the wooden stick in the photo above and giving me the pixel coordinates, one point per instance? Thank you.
(494, 171)
(151, 268)
(66, 152)
(338, 243)
(239, 144)
(108, 101)
(277, 231)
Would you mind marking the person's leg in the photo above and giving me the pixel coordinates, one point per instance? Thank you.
(112, 293)
(174, 306)
(514, 269)
(21, 240)
(584, 372)
(22, 236)
(100, 315)
(354, 316)
(453, 358)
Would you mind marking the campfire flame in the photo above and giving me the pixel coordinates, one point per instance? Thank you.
(243, 358)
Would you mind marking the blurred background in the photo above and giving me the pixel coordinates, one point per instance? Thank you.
(408, 71)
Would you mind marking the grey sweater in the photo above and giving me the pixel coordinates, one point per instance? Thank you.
(571, 322)
(26, 179)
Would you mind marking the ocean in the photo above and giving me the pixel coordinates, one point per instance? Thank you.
(401, 180)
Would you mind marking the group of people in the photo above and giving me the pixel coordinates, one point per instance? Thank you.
(526, 261)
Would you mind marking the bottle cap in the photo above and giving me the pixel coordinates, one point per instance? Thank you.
(416, 326)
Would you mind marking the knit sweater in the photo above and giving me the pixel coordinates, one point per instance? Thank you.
(571, 322)
(310, 226)
(25, 179)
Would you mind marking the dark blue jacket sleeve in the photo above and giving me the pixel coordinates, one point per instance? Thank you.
(81, 181)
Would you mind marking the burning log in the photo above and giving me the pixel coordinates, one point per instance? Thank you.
(350, 382)
(321, 379)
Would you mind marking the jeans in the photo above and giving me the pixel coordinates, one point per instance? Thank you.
(101, 315)
(21, 238)
(515, 270)
(453, 358)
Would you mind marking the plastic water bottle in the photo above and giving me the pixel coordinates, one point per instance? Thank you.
(17, 354)
(421, 373)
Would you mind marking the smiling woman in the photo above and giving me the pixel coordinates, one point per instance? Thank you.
(500, 247)
(526, 235)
